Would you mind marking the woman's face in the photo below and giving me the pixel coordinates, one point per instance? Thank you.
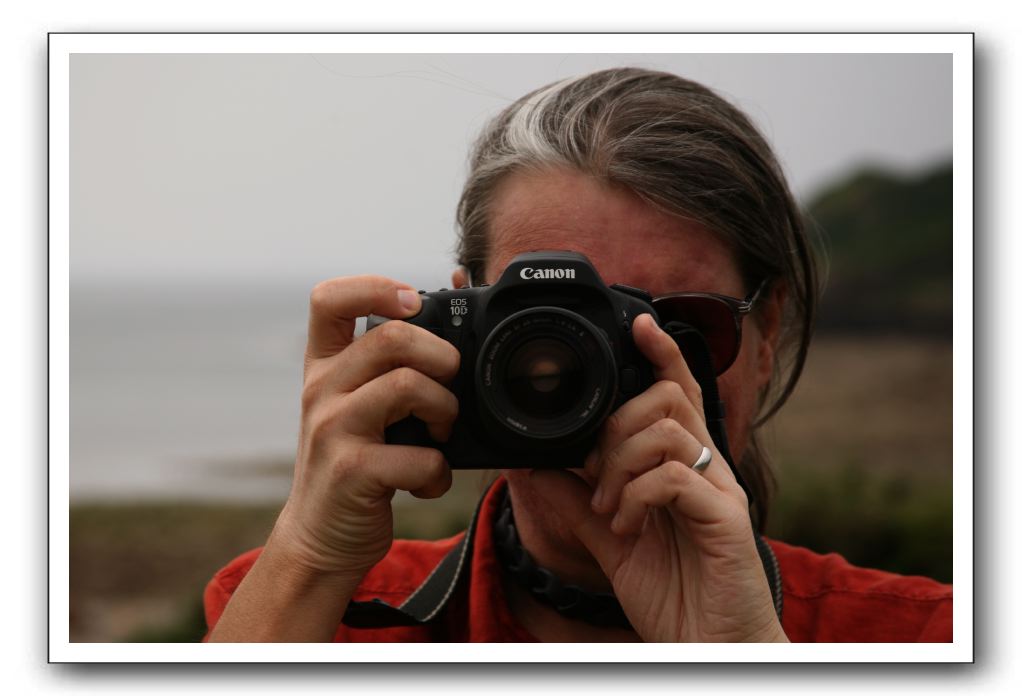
(631, 242)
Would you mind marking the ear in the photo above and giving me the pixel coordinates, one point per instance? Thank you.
(768, 320)
(459, 278)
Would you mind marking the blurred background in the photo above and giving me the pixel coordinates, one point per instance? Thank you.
(209, 193)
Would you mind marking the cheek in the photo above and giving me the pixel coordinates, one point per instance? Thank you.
(739, 390)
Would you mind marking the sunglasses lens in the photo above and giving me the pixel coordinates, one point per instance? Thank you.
(711, 317)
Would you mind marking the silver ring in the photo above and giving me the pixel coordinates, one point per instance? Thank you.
(704, 460)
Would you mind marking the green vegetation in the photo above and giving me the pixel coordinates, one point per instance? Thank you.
(889, 240)
(877, 520)
(138, 571)
(189, 627)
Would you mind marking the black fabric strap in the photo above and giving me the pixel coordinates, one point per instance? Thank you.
(697, 356)
(773, 573)
(596, 608)
(431, 596)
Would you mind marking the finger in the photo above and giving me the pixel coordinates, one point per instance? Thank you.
(671, 484)
(568, 496)
(422, 471)
(668, 363)
(664, 440)
(335, 304)
(395, 395)
(389, 346)
(665, 399)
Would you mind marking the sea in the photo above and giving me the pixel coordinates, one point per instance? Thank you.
(186, 391)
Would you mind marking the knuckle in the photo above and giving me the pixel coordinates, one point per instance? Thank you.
(668, 428)
(454, 358)
(393, 337)
(452, 403)
(405, 381)
(319, 427)
(434, 461)
(319, 297)
(310, 397)
(697, 392)
(312, 390)
(675, 474)
(671, 390)
(629, 492)
(615, 426)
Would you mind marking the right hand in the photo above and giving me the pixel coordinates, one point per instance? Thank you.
(337, 520)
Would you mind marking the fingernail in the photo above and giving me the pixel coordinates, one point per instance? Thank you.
(615, 523)
(409, 299)
(656, 326)
(652, 322)
(597, 498)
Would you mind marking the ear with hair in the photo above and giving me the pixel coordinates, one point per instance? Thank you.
(461, 277)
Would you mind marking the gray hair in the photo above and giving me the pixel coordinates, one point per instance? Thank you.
(685, 150)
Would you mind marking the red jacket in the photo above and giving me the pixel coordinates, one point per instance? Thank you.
(825, 598)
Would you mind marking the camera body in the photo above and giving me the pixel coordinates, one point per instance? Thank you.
(546, 355)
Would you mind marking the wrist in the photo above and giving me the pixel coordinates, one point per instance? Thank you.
(287, 552)
(282, 599)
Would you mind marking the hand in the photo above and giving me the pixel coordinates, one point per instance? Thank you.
(676, 545)
(337, 520)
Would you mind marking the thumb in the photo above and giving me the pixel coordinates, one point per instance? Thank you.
(568, 497)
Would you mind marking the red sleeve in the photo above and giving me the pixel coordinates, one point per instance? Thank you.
(222, 586)
(827, 599)
(938, 628)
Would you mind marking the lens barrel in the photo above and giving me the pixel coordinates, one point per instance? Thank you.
(545, 375)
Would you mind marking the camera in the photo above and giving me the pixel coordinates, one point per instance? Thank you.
(546, 355)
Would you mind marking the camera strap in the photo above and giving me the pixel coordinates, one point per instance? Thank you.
(697, 356)
(425, 603)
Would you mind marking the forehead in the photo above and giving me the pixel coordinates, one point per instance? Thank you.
(627, 239)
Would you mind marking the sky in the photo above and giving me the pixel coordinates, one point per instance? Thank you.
(293, 168)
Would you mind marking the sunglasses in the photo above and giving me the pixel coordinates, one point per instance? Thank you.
(717, 317)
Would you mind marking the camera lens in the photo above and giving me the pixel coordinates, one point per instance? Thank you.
(544, 377)
(545, 374)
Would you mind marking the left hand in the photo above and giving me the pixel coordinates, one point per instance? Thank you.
(676, 545)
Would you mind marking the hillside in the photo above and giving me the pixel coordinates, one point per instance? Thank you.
(889, 240)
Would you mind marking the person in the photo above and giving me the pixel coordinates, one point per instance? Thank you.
(665, 186)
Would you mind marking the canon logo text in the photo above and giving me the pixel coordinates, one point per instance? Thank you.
(547, 273)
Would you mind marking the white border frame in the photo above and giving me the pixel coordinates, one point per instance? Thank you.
(61, 46)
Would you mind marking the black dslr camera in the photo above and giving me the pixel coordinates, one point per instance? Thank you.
(546, 355)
